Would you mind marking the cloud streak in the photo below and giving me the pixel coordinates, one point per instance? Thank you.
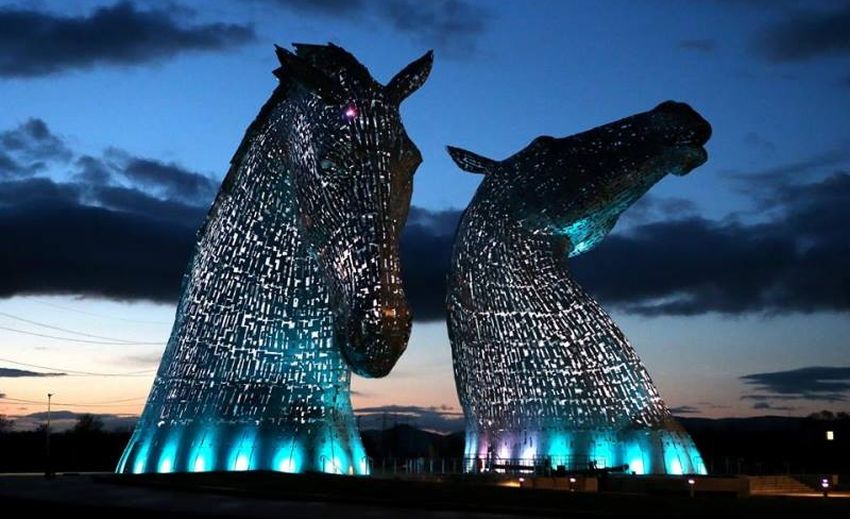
(805, 35)
(38, 43)
(453, 26)
(831, 384)
(685, 409)
(27, 149)
(22, 373)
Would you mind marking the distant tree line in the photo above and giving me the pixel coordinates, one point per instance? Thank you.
(758, 445)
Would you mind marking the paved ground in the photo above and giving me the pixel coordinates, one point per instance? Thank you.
(283, 496)
(80, 494)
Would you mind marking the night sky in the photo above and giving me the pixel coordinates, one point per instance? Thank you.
(733, 283)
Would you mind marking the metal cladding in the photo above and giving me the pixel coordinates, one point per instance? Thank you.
(543, 373)
(294, 281)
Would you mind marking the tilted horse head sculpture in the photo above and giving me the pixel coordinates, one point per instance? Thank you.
(578, 186)
(542, 371)
(294, 283)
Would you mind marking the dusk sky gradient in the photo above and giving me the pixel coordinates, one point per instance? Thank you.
(118, 121)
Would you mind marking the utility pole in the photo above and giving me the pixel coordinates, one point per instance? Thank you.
(48, 469)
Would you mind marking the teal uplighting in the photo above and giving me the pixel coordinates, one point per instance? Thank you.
(696, 461)
(141, 457)
(240, 456)
(635, 458)
(560, 449)
(169, 454)
(602, 452)
(672, 457)
(289, 457)
(360, 461)
(202, 458)
(332, 458)
(122, 462)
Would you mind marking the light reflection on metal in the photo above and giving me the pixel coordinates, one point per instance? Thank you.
(294, 282)
(544, 375)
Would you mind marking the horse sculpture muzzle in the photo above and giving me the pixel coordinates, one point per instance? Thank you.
(378, 335)
(693, 131)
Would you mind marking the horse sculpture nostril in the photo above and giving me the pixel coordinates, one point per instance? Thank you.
(698, 129)
(376, 339)
(703, 130)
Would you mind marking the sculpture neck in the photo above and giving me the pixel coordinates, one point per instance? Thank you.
(502, 256)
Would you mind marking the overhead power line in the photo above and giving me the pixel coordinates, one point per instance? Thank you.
(66, 330)
(85, 341)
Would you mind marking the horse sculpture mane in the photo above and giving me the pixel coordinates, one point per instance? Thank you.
(294, 282)
(544, 375)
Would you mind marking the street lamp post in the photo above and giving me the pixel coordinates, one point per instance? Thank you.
(48, 470)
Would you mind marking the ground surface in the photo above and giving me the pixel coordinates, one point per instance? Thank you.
(281, 496)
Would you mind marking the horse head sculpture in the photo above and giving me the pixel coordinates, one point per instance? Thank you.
(294, 283)
(544, 375)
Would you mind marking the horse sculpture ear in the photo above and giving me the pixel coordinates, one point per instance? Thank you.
(410, 78)
(471, 162)
(293, 67)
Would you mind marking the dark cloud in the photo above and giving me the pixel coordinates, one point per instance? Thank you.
(323, 7)
(650, 208)
(21, 373)
(37, 191)
(425, 255)
(756, 141)
(164, 189)
(754, 182)
(767, 398)
(830, 384)
(453, 26)
(685, 409)
(122, 229)
(702, 45)
(795, 262)
(170, 180)
(29, 148)
(56, 247)
(92, 170)
(804, 35)
(766, 406)
(442, 418)
(38, 43)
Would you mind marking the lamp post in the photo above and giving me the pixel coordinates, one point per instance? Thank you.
(48, 470)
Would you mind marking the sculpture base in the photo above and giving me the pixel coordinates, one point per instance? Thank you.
(635, 450)
(204, 447)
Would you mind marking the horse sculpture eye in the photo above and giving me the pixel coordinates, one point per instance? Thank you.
(327, 165)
